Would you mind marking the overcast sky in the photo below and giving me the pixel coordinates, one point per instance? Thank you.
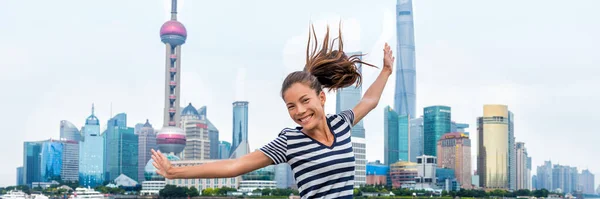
(539, 57)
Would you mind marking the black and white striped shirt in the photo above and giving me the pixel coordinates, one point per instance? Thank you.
(320, 171)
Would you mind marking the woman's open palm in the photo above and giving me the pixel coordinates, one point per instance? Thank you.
(161, 163)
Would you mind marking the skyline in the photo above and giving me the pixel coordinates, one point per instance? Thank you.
(448, 54)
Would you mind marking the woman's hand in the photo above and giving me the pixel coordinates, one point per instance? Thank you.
(388, 60)
(162, 164)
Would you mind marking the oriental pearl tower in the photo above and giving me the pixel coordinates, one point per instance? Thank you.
(171, 138)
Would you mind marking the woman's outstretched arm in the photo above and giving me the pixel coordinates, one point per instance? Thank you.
(371, 98)
(218, 169)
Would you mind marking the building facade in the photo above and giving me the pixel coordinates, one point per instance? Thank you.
(436, 122)
(403, 174)
(91, 154)
(377, 173)
(512, 154)
(70, 161)
(406, 79)
(454, 152)
(197, 145)
(121, 149)
(146, 142)
(586, 181)
(240, 124)
(396, 137)
(224, 150)
(32, 163)
(523, 171)
(68, 131)
(416, 131)
(492, 158)
(202, 184)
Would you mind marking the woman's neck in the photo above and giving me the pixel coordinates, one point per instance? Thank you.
(321, 130)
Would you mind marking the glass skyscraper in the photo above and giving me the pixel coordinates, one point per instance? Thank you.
(240, 124)
(391, 137)
(68, 131)
(436, 123)
(224, 150)
(32, 162)
(121, 149)
(347, 98)
(52, 154)
(70, 161)
(396, 144)
(213, 136)
(512, 154)
(20, 176)
(416, 138)
(91, 154)
(405, 93)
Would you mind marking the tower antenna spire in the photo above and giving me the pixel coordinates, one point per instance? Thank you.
(173, 9)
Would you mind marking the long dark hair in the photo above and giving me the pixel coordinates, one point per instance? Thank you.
(326, 68)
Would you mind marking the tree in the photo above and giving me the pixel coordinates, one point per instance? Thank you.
(444, 193)
(223, 191)
(356, 192)
(172, 191)
(208, 192)
(266, 192)
(193, 192)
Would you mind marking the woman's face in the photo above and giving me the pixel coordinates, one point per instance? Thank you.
(304, 105)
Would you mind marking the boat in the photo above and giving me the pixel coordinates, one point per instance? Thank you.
(15, 194)
(86, 193)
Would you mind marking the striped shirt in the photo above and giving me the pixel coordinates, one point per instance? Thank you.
(320, 171)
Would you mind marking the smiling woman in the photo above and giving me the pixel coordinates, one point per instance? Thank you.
(319, 150)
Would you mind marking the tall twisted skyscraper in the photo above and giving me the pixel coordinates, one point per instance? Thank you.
(405, 93)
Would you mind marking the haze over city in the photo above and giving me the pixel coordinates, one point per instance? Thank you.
(538, 57)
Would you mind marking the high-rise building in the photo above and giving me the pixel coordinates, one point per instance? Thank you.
(224, 150)
(523, 172)
(70, 161)
(91, 153)
(121, 149)
(454, 152)
(52, 153)
(284, 176)
(240, 126)
(347, 98)
(213, 134)
(32, 163)
(512, 159)
(405, 93)
(459, 127)
(492, 158)
(416, 138)
(170, 139)
(586, 181)
(197, 146)
(564, 178)
(146, 142)
(544, 176)
(20, 176)
(534, 182)
(396, 137)
(68, 131)
(436, 122)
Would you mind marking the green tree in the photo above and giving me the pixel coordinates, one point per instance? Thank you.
(172, 191)
(223, 191)
(266, 192)
(193, 192)
(356, 192)
(208, 192)
(444, 193)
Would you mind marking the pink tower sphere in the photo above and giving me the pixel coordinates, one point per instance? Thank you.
(173, 27)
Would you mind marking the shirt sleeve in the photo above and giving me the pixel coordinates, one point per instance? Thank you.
(348, 116)
(276, 149)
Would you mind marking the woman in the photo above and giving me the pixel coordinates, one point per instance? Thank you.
(319, 150)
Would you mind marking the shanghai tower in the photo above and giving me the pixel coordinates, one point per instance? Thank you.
(405, 93)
